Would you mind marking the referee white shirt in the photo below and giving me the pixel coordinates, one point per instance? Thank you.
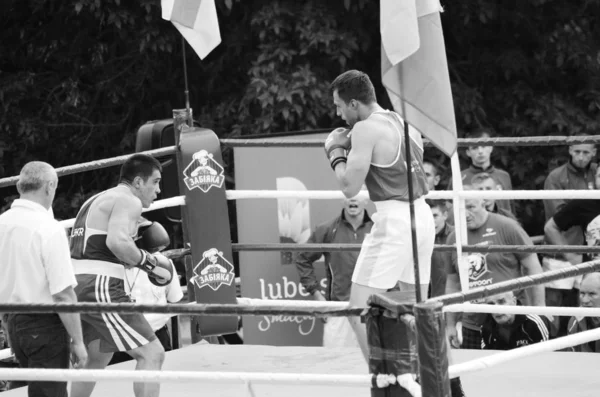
(142, 290)
(36, 262)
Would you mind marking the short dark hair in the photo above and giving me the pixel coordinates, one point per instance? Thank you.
(480, 177)
(434, 164)
(140, 165)
(441, 204)
(480, 132)
(354, 84)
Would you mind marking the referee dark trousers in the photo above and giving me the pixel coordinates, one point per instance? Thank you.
(40, 341)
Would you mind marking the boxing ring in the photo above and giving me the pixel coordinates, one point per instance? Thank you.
(248, 370)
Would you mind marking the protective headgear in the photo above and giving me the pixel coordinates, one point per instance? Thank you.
(152, 237)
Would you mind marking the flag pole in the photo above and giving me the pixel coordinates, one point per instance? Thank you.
(411, 205)
(411, 201)
(186, 92)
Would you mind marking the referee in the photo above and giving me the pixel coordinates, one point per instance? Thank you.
(36, 268)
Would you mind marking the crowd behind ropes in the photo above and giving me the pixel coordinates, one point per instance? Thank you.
(494, 222)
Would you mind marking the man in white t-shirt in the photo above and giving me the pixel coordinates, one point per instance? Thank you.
(36, 268)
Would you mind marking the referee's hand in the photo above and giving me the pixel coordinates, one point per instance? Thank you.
(79, 355)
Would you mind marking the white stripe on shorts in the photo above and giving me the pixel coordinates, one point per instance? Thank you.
(100, 298)
(127, 328)
(120, 329)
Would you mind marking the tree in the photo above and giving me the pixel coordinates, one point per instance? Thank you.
(78, 78)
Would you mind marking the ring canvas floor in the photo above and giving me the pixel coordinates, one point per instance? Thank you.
(549, 374)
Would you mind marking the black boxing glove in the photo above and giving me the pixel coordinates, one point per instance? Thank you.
(337, 146)
(158, 267)
(152, 237)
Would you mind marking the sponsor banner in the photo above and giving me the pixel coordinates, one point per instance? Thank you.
(273, 275)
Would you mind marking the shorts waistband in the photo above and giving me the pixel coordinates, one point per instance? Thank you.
(389, 205)
(101, 268)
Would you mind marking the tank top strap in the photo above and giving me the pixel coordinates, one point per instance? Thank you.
(383, 114)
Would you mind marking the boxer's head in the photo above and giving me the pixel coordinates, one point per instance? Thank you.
(143, 174)
(352, 91)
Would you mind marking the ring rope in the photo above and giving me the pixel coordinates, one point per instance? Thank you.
(525, 351)
(461, 142)
(507, 309)
(213, 309)
(293, 247)
(518, 283)
(433, 195)
(87, 375)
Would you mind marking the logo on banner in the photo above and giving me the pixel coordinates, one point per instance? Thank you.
(213, 270)
(203, 172)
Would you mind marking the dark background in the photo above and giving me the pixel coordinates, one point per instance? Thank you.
(77, 78)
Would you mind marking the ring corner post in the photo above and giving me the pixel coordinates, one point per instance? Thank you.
(391, 340)
(433, 349)
(205, 223)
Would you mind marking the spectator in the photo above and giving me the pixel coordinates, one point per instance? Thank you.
(484, 181)
(432, 173)
(350, 226)
(484, 228)
(437, 287)
(509, 331)
(37, 269)
(584, 216)
(481, 162)
(578, 173)
(589, 296)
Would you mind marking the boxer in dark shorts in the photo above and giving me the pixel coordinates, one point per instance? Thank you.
(101, 247)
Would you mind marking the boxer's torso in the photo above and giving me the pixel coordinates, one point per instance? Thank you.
(387, 176)
(88, 235)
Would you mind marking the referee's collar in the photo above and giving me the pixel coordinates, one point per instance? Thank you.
(28, 204)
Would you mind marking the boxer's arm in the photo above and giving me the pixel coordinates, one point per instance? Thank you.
(125, 213)
(351, 175)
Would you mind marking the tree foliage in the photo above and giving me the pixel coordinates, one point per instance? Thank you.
(78, 78)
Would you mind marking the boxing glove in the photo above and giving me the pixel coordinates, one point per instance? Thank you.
(152, 237)
(337, 145)
(158, 267)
